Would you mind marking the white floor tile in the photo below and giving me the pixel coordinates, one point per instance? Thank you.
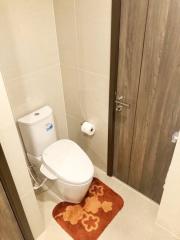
(136, 221)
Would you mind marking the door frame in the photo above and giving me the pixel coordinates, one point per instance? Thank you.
(13, 197)
(114, 58)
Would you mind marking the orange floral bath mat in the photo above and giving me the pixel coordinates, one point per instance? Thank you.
(87, 220)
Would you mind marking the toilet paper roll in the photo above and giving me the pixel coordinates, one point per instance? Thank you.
(88, 128)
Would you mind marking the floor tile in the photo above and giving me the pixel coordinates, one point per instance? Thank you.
(135, 221)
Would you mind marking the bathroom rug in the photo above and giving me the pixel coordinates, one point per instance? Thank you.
(88, 219)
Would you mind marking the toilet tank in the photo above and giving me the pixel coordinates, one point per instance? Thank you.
(38, 130)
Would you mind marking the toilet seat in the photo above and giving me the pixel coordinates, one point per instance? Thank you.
(65, 160)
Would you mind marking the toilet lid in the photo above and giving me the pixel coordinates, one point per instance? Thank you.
(68, 161)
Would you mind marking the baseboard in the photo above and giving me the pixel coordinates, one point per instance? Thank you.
(168, 231)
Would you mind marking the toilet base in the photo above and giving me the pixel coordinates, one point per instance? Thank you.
(69, 192)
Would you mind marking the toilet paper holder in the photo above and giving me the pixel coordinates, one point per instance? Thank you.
(87, 128)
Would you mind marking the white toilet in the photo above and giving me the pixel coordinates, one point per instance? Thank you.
(61, 160)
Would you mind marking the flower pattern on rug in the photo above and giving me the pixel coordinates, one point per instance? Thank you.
(72, 214)
(87, 214)
(96, 190)
(90, 222)
(92, 204)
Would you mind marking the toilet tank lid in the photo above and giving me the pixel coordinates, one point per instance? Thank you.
(36, 116)
(68, 161)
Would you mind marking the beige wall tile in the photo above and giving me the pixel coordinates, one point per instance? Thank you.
(99, 144)
(32, 91)
(34, 220)
(94, 93)
(93, 81)
(168, 215)
(66, 31)
(16, 160)
(29, 61)
(83, 29)
(72, 91)
(14, 154)
(75, 134)
(70, 77)
(98, 160)
(86, 98)
(95, 146)
(93, 24)
(28, 36)
(29, 58)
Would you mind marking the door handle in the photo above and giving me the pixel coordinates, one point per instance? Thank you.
(120, 104)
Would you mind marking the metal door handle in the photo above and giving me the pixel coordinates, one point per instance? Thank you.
(123, 104)
(120, 104)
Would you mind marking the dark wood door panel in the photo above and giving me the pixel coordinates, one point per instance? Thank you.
(9, 229)
(132, 30)
(158, 105)
(10, 189)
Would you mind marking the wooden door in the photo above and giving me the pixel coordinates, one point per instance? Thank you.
(156, 106)
(132, 29)
(9, 229)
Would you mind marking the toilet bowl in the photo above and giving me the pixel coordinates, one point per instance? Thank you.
(61, 161)
(65, 162)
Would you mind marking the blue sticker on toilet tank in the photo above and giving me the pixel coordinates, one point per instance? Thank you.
(49, 126)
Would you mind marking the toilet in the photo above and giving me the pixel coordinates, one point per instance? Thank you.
(61, 160)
